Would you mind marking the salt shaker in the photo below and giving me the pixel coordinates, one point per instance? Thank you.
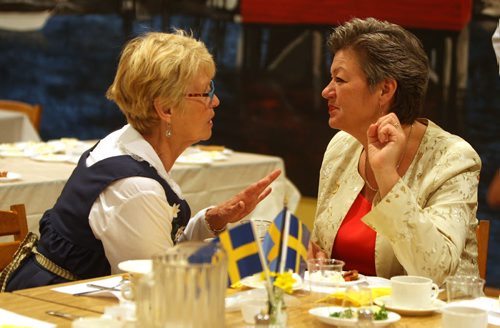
(365, 318)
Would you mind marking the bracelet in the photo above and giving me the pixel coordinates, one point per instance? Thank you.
(215, 231)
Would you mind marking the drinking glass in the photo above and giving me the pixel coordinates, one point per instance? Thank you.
(261, 227)
(464, 317)
(463, 287)
(358, 296)
(324, 272)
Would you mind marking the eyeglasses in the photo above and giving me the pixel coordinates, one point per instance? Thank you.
(210, 94)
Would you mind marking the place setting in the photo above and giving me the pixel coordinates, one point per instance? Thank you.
(8, 176)
(412, 296)
(356, 308)
(204, 154)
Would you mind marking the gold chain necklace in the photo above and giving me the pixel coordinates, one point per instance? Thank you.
(397, 166)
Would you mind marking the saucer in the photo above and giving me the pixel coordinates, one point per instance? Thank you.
(326, 282)
(436, 305)
(136, 266)
(257, 281)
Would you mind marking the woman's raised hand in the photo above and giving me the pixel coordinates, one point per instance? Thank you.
(241, 204)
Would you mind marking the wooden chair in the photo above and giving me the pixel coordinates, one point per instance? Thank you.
(33, 111)
(483, 236)
(14, 223)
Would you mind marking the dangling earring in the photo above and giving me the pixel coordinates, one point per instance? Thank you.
(168, 133)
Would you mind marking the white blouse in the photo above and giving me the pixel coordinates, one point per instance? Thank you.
(132, 217)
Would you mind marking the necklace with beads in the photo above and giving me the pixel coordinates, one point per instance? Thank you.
(397, 166)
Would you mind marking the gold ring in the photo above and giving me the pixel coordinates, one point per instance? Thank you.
(396, 125)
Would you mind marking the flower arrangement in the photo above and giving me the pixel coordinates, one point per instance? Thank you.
(282, 284)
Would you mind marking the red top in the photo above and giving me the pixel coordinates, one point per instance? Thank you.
(355, 241)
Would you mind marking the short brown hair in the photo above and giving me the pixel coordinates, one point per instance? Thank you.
(388, 51)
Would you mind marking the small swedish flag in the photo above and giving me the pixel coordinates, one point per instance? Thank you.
(242, 251)
(297, 242)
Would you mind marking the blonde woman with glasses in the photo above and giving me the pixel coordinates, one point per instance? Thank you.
(120, 202)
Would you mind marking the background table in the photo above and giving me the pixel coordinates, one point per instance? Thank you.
(15, 126)
(202, 184)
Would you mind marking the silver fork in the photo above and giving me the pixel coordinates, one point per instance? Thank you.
(115, 288)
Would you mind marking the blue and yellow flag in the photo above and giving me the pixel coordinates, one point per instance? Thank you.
(242, 252)
(297, 241)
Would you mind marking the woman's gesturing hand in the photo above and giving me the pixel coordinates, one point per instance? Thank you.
(241, 204)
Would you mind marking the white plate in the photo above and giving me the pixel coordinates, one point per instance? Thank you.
(193, 159)
(361, 278)
(51, 158)
(136, 266)
(436, 305)
(256, 281)
(12, 153)
(11, 176)
(323, 314)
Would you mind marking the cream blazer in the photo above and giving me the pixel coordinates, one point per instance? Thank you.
(426, 224)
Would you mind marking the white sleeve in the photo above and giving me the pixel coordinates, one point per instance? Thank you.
(197, 228)
(132, 219)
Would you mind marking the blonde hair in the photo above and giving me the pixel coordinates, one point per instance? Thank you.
(157, 65)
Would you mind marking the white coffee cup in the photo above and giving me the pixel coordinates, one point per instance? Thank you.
(413, 292)
(457, 316)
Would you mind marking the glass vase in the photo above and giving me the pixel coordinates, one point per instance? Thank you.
(277, 309)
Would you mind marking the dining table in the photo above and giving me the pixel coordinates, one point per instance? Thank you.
(204, 181)
(15, 127)
(34, 302)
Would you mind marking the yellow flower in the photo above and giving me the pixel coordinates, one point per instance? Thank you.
(285, 281)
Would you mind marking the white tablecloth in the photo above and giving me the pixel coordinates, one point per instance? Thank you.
(15, 127)
(202, 184)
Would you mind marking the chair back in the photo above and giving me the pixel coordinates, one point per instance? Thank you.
(12, 223)
(483, 236)
(33, 111)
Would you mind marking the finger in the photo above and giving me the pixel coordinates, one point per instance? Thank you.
(371, 133)
(268, 179)
(264, 194)
(320, 255)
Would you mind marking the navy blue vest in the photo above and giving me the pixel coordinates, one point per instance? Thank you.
(65, 234)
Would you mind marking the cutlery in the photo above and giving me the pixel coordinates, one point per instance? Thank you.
(64, 315)
(98, 288)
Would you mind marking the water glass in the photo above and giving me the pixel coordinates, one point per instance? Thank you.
(463, 317)
(324, 272)
(358, 296)
(261, 227)
(462, 287)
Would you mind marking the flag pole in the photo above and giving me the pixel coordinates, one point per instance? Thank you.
(284, 239)
(263, 262)
(283, 235)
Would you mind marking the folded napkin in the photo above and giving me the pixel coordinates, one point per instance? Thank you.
(353, 298)
(92, 291)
